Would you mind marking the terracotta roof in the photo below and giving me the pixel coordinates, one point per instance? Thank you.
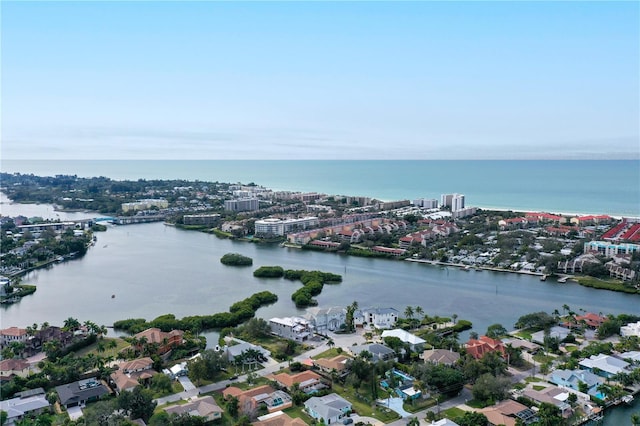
(281, 419)
(13, 364)
(13, 331)
(289, 380)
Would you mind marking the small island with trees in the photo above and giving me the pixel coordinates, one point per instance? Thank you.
(236, 259)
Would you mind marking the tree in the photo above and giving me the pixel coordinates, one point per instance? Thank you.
(495, 331)
(138, 404)
(489, 388)
(161, 383)
(549, 415)
(472, 418)
(233, 407)
(408, 312)
(71, 324)
(331, 343)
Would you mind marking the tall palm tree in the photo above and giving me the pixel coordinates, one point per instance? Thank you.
(419, 312)
(331, 343)
(408, 312)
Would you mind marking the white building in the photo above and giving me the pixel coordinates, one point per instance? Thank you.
(632, 329)
(274, 226)
(427, 203)
(242, 204)
(610, 249)
(414, 341)
(454, 201)
(145, 204)
(326, 319)
(376, 317)
(294, 328)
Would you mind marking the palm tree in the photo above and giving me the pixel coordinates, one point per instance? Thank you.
(330, 343)
(71, 324)
(635, 419)
(408, 312)
(455, 317)
(419, 311)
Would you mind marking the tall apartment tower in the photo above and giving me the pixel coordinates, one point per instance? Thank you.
(454, 201)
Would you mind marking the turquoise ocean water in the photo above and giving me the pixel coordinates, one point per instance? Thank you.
(578, 186)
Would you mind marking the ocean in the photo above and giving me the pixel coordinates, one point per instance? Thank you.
(572, 186)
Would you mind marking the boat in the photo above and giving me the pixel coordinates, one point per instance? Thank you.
(562, 279)
(543, 277)
(627, 399)
(113, 296)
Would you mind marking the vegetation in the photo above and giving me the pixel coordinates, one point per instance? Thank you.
(238, 313)
(236, 259)
(269, 272)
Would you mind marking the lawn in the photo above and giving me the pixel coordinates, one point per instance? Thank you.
(538, 387)
(571, 348)
(419, 405)
(329, 353)
(299, 413)
(113, 352)
(453, 413)
(542, 358)
(362, 403)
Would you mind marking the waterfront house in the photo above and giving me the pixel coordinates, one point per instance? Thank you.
(440, 356)
(13, 334)
(415, 343)
(591, 320)
(78, 394)
(326, 319)
(204, 406)
(307, 381)
(604, 365)
(559, 333)
(165, 341)
(551, 395)
(632, 357)
(571, 379)
(132, 373)
(328, 409)
(508, 412)
(631, 329)
(26, 403)
(477, 348)
(293, 328)
(376, 317)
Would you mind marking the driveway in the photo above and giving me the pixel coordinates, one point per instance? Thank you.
(395, 404)
(186, 383)
(74, 412)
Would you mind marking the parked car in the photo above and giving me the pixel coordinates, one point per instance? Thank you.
(347, 420)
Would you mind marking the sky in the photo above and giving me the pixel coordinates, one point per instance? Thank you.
(320, 80)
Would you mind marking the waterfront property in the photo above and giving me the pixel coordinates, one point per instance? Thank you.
(508, 412)
(631, 329)
(376, 317)
(415, 343)
(165, 341)
(556, 332)
(294, 328)
(280, 227)
(326, 319)
(551, 395)
(571, 379)
(604, 365)
(328, 409)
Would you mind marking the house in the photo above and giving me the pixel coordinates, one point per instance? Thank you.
(242, 347)
(278, 418)
(525, 345)
(337, 363)
(204, 406)
(293, 328)
(551, 395)
(415, 342)
(444, 422)
(131, 373)
(165, 341)
(604, 365)
(250, 399)
(440, 356)
(13, 334)
(376, 317)
(25, 403)
(591, 320)
(308, 381)
(14, 367)
(631, 357)
(379, 352)
(556, 332)
(508, 412)
(328, 409)
(478, 348)
(571, 379)
(78, 394)
(631, 329)
(326, 319)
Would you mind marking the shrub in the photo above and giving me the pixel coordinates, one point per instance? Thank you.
(236, 259)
